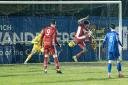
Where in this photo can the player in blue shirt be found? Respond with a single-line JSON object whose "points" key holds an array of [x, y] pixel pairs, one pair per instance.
{"points": [[112, 40]]}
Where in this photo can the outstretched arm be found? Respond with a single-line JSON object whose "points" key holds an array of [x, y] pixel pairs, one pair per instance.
{"points": [[83, 19], [41, 38], [119, 41]]}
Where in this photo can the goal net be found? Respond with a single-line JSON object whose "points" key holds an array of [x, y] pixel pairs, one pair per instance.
{"points": [[21, 21]]}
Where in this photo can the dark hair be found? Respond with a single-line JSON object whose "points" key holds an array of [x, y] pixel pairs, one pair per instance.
{"points": [[86, 22], [53, 22], [112, 26]]}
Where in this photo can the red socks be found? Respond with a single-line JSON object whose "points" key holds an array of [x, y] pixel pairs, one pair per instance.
{"points": [[45, 62], [56, 62]]}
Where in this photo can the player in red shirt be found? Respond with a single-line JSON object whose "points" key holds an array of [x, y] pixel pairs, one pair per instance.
{"points": [[49, 38], [82, 38]]}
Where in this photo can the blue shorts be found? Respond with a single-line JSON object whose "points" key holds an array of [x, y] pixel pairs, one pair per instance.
{"points": [[113, 55]]}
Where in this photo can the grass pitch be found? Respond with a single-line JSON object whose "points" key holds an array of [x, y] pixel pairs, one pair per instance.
{"points": [[90, 73]]}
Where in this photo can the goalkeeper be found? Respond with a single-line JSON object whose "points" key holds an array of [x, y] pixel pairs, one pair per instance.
{"points": [[36, 48]]}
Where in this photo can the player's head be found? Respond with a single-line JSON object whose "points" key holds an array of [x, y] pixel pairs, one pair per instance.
{"points": [[112, 26], [53, 23], [86, 23]]}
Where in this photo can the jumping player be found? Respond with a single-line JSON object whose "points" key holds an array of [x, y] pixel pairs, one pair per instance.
{"points": [[112, 39], [82, 38], [49, 37]]}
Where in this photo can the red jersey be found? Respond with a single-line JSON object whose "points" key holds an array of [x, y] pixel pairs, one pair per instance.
{"points": [[49, 36], [82, 34]]}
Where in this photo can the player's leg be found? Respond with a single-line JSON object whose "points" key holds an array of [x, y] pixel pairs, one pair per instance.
{"points": [[56, 61], [30, 55], [42, 50], [83, 51], [46, 56], [28, 58], [119, 68], [36, 48], [75, 57], [109, 68], [72, 44], [57, 64], [110, 58]]}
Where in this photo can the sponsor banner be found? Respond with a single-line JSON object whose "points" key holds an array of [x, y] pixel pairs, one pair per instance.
{"points": [[16, 33]]}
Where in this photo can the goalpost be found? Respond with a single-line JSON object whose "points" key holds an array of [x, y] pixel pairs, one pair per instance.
{"points": [[119, 3]]}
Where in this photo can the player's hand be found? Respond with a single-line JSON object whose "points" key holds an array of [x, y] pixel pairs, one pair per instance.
{"points": [[90, 33], [60, 45], [87, 35]]}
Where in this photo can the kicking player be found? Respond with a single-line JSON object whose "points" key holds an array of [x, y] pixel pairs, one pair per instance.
{"points": [[112, 39], [49, 38], [36, 48], [82, 38]]}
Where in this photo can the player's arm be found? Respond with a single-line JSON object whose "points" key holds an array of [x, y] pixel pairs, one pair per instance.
{"points": [[83, 19], [104, 41], [55, 39], [41, 37], [78, 34], [119, 41]]}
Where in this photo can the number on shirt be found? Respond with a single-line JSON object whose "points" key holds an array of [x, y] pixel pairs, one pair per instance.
{"points": [[48, 32], [111, 39]]}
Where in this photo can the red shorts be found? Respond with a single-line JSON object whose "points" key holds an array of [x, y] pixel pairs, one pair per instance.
{"points": [[80, 42], [82, 45], [49, 50]]}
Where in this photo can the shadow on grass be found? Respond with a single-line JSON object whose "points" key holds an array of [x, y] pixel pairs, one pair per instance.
{"points": [[94, 72], [26, 73], [10, 75], [91, 79], [77, 80], [74, 80], [34, 71]]}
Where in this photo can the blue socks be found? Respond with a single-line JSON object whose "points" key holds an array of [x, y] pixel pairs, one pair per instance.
{"points": [[119, 67], [109, 67]]}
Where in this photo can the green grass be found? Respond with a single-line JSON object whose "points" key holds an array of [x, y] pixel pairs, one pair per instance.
{"points": [[93, 73]]}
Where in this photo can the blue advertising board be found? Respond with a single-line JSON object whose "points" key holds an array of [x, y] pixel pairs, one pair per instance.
{"points": [[17, 30]]}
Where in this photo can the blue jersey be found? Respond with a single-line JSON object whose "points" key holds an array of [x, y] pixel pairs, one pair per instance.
{"points": [[112, 39]]}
